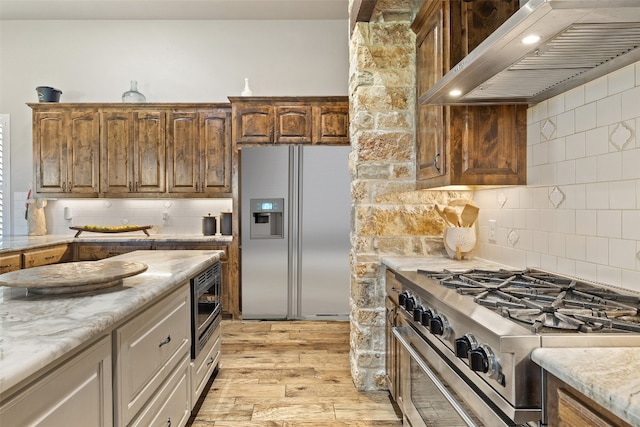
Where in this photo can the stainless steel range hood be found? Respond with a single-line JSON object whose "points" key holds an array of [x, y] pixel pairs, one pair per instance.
{"points": [[580, 40]]}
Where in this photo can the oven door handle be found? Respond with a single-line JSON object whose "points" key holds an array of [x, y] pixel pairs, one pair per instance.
{"points": [[400, 333]]}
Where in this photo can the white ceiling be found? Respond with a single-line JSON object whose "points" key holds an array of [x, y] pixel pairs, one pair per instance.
{"points": [[173, 9]]}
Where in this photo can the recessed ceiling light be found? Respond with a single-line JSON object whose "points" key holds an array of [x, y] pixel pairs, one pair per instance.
{"points": [[531, 39], [455, 93]]}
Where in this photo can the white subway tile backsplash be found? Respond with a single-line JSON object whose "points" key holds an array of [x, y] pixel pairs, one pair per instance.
{"points": [[631, 224], [586, 170], [576, 247], [609, 223], [610, 275], [596, 90], [619, 192], [575, 146], [557, 244], [585, 117], [597, 195], [566, 172], [574, 98], [631, 280], [622, 253], [630, 107], [540, 154], [621, 80], [610, 167], [565, 124], [597, 141], [586, 222], [597, 250], [631, 164], [609, 110]]}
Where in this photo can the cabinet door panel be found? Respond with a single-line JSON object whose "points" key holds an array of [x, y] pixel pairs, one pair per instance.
{"points": [[293, 124], [254, 124], [500, 159], [331, 124], [76, 394], [216, 152], [184, 173], [149, 130], [117, 153], [50, 152], [83, 152]]}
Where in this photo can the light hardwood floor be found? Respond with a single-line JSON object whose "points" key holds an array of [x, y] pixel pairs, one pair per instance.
{"points": [[289, 374]]}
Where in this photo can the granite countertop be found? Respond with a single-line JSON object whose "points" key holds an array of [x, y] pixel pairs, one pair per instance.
{"points": [[36, 330], [16, 243], [608, 376], [439, 263]]}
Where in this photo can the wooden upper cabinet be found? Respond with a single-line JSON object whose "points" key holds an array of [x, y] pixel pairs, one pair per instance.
{"points": [[199, 152], [463, 145], [133, 152], [290, 120], [331, 124], [66, 151], [120, 150]]}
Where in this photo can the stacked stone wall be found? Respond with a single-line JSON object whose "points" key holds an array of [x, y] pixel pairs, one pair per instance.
{"points": [[389, 218]]}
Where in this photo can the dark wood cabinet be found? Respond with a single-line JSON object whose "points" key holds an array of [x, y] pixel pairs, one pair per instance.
{"points": [[290, 120], [199, 152], [66, 151], [567, 407], [463, 145], [132, 150]]}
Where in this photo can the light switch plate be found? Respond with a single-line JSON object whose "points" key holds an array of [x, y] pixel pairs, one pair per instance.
{"points": [[493, 230]]}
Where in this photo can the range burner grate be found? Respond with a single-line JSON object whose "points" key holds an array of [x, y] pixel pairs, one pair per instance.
{"points": [[545, 301]]}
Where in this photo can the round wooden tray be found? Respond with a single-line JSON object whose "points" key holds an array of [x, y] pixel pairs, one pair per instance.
{"points": [[72, 277], [108, 229]]}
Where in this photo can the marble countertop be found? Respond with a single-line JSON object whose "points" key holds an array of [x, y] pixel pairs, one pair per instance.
{"points": [[36, 330], [608, 376], [16, 243], [439, 263]]}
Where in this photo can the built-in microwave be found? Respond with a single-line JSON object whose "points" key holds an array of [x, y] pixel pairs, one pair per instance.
{"points": [[206, 292]]}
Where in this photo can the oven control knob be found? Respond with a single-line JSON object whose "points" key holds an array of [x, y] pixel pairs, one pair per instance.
{"points": [[409, 303], [465, 344], [478, 360], [482, 359], [417, 313], [440, 326], [402, 297], [427, 315]]}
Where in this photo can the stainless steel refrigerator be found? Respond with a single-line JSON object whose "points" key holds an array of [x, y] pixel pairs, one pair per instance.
{"points": [[295, 204]]}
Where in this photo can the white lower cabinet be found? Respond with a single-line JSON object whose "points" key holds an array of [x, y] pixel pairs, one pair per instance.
{"points": [[170, 407], [77, 393], [149, 348], [202, 367]]}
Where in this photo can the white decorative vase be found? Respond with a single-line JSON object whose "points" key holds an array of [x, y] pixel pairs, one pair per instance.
{"points": [[459, 242], [35, 217], [247, 90]]}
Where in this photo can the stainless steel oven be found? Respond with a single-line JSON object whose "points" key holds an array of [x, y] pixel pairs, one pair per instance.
{"points": [[466, 339], [206, 307], [434, 394]]}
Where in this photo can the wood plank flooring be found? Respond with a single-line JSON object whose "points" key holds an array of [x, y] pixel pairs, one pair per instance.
{"points": [[289, 374]]}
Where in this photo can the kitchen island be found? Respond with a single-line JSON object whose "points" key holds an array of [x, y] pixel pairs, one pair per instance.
{"points": [[39, 333]]}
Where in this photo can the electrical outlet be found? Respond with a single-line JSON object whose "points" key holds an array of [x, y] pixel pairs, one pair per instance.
{"points": [[493, 230]]}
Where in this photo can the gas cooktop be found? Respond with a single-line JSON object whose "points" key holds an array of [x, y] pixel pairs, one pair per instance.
{"points": [[545, 302]]}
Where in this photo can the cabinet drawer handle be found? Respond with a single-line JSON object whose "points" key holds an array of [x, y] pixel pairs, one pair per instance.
{"points": [[129, 185], [210, 361], [64, 187], [6, 265], [136, 187], [167, 341], [197, 186], [435, 162], [49, 257], [168, 422]]}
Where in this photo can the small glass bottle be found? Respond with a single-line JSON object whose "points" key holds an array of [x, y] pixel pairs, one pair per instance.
{"points": [[132, 95]]}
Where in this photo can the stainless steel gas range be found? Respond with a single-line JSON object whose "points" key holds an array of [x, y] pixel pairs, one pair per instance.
{"points": [[466, 337]]}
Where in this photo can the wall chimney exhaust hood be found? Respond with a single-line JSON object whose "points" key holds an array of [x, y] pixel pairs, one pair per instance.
{"points": [[571, 42]]}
